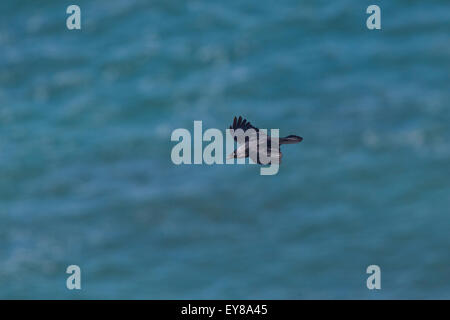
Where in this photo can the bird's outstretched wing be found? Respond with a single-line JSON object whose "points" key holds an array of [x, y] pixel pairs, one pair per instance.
{"points": [[241, 124]]}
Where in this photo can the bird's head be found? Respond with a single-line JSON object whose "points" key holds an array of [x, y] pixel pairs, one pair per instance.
{"points": [[232, 155]]}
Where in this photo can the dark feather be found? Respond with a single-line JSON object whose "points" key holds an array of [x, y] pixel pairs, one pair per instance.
{"points": [[242, 124]]}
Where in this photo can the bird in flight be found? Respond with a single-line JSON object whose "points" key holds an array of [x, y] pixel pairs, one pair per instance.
{"points": [[261, 148]]}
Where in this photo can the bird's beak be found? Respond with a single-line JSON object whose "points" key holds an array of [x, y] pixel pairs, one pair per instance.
{"points": [[230, 156]]}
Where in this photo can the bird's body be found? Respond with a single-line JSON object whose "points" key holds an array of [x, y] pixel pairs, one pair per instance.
{"points": [[261, 148]]}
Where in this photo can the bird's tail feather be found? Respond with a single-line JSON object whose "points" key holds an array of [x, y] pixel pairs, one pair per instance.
{"points": [[290, 139]]}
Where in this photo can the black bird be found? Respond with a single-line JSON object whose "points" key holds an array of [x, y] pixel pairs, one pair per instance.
{"points": [[257, 142]]}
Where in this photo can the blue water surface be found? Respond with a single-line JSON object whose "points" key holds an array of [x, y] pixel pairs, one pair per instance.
{"points": [[86, 176]]}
